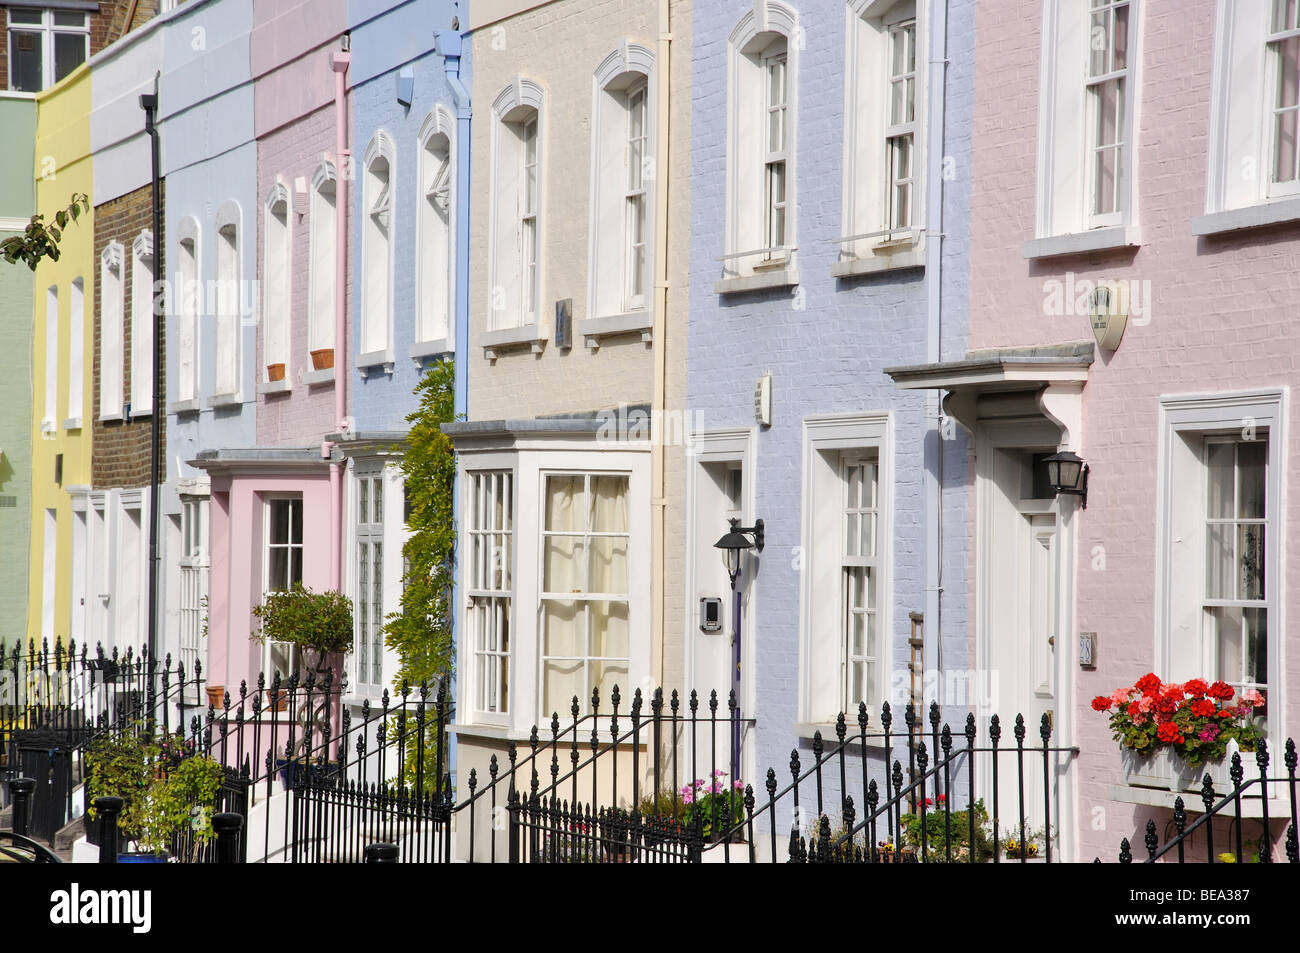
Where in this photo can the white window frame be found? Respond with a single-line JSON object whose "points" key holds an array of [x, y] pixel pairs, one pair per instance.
{"points": [[188, 305], [76, 353], [269, 501], [366, 534], [488, 542], [510, 286], [277, 281], [822, 662], [227, 305], [193, 564], [1064, 177], [868, 232], [435, 235], [50, 417], [322, 264], [142, 286], [47, 30], [762, 32], [1278, 33], [625, 72], [1184, 423], [580, 597], [379, 233], [112, 331], [1107, 73]]}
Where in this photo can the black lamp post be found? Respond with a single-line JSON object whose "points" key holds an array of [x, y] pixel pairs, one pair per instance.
{"points": [[1068, 474], [733, 544]]}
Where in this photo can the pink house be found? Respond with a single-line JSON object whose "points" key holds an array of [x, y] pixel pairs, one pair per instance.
{"points": [[1146, 148], [277, 507]]}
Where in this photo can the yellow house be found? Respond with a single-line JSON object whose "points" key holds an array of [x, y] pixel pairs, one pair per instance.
{"points": [[63, 323]]}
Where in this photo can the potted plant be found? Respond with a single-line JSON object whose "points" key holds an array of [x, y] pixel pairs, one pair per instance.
{"points": [[705, 800], [166, 788], [322, 359], [947, 833], [319, 624], [1172, 734], [275, 372]]}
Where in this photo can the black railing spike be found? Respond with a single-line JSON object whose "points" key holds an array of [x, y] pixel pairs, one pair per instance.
{"points": [[1019, 730], [1292, 845], [1152, 841], [862, 716], [595, 700], [1236, 772], [995, 729], [970, 728], [934, 715], [493, 768], [555, 725], [945, 740], [909, 716], [1180, 815], [731, 702], [897, 777], [771, 783], [533, 739], [1125, 853], [574, 708], [1289, 757], [817, 747], [674, 703], [713, 701], [694, 704], [636, 702], [614, 699], [841, 729], [1261, 757], [657, 702], [1207, 793], [1045, 729], [794, 763]]}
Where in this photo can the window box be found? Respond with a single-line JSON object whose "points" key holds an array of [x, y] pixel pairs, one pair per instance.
{"points": [[1165, 771]]}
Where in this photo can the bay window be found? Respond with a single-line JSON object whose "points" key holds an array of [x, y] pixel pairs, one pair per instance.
{"points": [[489, 541]]}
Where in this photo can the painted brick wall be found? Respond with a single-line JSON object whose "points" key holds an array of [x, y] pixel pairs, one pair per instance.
{"points": [[122, 447], [304, 414], [522, 384], [826, 346], [1221, 318]]}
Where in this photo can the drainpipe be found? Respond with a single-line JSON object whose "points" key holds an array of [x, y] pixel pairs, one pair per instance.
{"points": [[658, 502], [933, 475], [448, 43], [339, 62], [149, 103]]}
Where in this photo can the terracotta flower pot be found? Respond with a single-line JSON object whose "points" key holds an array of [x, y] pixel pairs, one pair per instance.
{"points": [[275, 372], [216, 696], [323, 359]]}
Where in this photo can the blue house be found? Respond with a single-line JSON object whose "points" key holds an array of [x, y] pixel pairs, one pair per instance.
{"points": [[829, 149]]}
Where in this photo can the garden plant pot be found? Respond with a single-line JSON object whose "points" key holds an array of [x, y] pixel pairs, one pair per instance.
{"points": [[1185, 778], [216, 696], [323, 359], [1151, 770], [275, 372]]}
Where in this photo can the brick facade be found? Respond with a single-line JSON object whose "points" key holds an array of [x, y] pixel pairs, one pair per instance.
{"points": [[122, 447]]}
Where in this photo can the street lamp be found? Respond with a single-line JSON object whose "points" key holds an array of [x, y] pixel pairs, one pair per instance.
{"points": [[733, 544], [1068, 474]]}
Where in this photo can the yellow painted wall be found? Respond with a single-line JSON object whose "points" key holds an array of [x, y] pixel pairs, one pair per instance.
{"points": [[63, 167]]}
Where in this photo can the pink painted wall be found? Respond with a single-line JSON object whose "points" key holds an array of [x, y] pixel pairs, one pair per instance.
{"points": [[295, 123], [1222, 318], [238, 518]]}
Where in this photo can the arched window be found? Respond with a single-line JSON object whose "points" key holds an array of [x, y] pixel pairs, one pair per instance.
{"points": [[227, 303], [142, 272], [276, 282], [377, 251], [323, 265], [622, 154], [111, 331], [762, 58], [516, 217], [435, 231], [188, 306]]}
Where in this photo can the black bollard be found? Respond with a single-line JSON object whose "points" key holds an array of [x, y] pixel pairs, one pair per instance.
{"points": [[381, 854], [22, 790], [108, 809], [227, 827]]}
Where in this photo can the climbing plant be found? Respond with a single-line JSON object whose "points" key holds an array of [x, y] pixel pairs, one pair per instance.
{"points": [[40, 240]]}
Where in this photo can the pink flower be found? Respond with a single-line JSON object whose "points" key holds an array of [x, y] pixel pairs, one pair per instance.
{"points": [[718, 772], [738, 784], [717, 787], [1252, 698], [1209, 733], [1120, 696], [688, 798], [1140, 719], [1145, 704]]}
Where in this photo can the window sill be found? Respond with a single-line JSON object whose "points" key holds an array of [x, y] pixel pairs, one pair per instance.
{"points": [[593, 329], [281, 386], [899, 259], [1080, 243], [72, 423], [110, 418], [137, 414], [786, 277], [224, 400], [505, 338], [370, 362], [190, 406], [1192, 803], [1252, 216], [313, 378], [421, 351]]}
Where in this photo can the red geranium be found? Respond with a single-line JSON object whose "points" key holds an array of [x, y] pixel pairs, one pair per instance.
{"points": [[1166, 704], [1134, 709], [1203, 708], [1196, 687], [1168, 733], [1101, 703], [1221, 690], [1148, 684]]}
